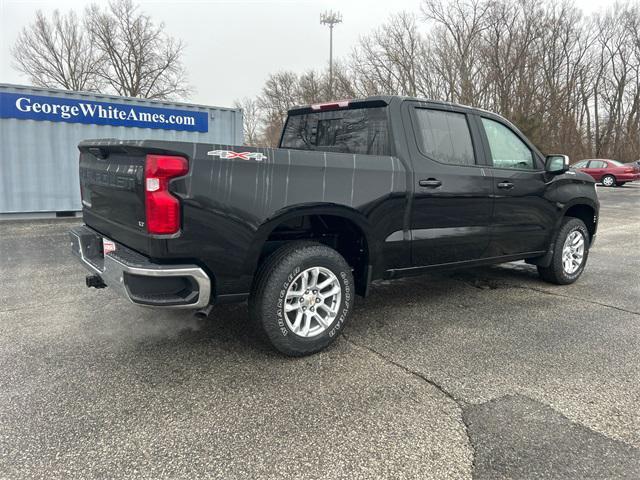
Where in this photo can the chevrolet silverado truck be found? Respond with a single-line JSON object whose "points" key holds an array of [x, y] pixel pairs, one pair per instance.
{"points": [[359, 190]]}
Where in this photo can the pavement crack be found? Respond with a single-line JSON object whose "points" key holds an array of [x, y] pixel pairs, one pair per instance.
{"points": [[593, 302], [492, 286], [461, 404]]}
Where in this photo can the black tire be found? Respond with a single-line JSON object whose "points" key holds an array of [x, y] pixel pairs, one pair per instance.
{"points": [[609, 181], [555, 272], [268, 296]]}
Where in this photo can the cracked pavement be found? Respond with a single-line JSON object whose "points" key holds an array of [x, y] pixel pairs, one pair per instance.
{"points": [[483, 373]]}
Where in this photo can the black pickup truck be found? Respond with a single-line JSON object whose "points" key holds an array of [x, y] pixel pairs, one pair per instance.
{"points": [[378, 188]]}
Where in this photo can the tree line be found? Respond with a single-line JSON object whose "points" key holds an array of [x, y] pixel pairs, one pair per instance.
{"points": [[112, 48], [570, 82]]}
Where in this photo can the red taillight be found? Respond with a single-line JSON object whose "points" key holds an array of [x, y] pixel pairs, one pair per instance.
{"points": [[628, 170], [163, 209]]}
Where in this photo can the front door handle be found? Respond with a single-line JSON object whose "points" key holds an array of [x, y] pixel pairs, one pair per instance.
{"points": [[430, 182], [506, 185]]}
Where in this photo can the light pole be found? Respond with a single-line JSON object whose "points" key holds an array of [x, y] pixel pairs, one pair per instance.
{"points": [[331, 19]]}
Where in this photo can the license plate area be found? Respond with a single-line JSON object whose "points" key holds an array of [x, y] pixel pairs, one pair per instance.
{"points": [[108, 246]]}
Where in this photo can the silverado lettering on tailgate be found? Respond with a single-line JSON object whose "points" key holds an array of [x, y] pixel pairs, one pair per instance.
{"points": [[108, 179]]}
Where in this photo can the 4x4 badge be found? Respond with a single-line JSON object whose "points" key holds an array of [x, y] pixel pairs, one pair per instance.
{"points": [[257, 156]]}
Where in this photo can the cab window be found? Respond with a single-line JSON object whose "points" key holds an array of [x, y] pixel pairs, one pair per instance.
{"points": [[507, 150], [444, 136]]}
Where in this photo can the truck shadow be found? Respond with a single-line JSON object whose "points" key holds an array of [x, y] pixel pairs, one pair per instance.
{"points": [[228, 337], [230, 325]]}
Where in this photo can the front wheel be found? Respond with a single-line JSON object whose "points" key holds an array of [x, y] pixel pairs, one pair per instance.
{"points": [[608, 180], [302, 297], [570, 253]]}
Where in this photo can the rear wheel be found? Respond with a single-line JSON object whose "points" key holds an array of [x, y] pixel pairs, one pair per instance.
{"points": [[608, 180], [570, 253], [302, 297]]}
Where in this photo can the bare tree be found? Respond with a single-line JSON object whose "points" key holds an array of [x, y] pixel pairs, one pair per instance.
{"points": [[617, 85], [252, 120], [391, 59], [459, 28], [343, 82], [57, 53], [116, 49], [279, 94], [139, 58], [313, 87]]}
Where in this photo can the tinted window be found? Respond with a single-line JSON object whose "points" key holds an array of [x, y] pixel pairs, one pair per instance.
{"points": [[582, 164], [597, 164], [445, 137], [362, 130], [507, 150]]}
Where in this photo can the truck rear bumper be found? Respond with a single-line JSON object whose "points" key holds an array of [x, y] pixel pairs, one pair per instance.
{"points": [[137, 278]]}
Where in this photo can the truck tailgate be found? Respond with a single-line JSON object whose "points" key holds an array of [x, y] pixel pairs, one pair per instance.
{"points": [[112, 184]]}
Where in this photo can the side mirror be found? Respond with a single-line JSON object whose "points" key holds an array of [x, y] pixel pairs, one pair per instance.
{"points": [[556, 164]]}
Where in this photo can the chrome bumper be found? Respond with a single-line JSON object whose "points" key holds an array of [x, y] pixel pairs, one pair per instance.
{"points": [[86, 245]]}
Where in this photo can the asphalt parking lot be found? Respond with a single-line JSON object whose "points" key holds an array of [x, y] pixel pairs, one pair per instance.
{"points": [[484, 373]]}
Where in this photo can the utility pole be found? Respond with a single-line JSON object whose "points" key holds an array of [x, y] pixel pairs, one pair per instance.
{"points": [[331, 19]]}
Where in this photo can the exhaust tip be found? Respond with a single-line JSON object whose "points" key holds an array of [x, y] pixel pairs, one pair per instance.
{"points": [[204, 312], [95, 281]]}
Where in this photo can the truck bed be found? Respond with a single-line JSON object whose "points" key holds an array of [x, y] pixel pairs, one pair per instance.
{"points": [[229, 198]]}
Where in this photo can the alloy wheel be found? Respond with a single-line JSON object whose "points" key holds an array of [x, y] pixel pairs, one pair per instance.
{"points": [[312, 301], [573, 252]]}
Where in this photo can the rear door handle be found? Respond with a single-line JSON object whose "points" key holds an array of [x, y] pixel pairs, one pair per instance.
{"points": [[430, 182], [506, 185]]}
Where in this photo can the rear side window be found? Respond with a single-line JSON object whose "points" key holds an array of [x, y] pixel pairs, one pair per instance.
{"points": [[597, 164], [445, 136], [361, 130], [507, 150]]}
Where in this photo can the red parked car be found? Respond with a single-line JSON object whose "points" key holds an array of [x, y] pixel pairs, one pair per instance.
{"points": [[609, 172]]}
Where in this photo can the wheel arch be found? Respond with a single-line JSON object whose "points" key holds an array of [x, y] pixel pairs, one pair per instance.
{"points": [[342, 216], [584, 209]]}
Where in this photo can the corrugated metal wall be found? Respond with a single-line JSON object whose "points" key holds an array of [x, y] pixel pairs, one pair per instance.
{"points": [[39, 159]]}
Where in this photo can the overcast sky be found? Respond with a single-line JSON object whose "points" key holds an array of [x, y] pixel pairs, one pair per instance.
{"points": [[233, 45]]}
